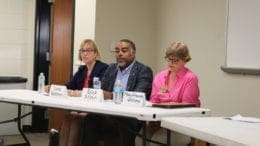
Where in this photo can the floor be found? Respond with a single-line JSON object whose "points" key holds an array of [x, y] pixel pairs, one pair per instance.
{"points": [[36, 139]]}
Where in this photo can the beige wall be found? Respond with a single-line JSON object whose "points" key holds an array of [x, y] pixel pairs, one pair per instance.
{"points": [[154, 24], [84, 26], [131, 19], [17, 38], [17, 48], [202, 25]]}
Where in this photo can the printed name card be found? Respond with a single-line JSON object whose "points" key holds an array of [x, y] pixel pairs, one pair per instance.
{"points": [[134, 98], [58, 90], [92, 95]]}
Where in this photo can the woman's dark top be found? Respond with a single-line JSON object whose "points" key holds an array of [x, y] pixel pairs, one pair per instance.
{"points": [[77, 81]]}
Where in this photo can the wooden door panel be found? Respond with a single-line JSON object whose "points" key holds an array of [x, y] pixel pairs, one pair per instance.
{"points": [[61, 62]]}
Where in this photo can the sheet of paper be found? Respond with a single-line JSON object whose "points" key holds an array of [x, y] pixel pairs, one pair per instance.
{"points": [[244, 119]]}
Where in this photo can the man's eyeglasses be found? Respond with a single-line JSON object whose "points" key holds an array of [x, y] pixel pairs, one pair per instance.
{"points": [[86, 50], [172, 60]]}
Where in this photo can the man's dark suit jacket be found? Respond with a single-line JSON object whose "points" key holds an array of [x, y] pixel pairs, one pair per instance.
{"points": [[140, 79]]}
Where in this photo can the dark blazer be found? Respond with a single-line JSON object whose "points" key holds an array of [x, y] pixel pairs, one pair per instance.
{"points": [[140, 79], [77, 81]]}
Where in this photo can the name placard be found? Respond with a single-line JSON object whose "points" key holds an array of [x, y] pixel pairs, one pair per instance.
{"points": [[58, 90], [134, 98], [92, 95]]}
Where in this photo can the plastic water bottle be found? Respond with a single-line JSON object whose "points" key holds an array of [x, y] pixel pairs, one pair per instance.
{"points": [[118, 92], [96, 83], [41, 83]]}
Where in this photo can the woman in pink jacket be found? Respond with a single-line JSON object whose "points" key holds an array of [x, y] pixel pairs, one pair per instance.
{"points": [[176, 83]]}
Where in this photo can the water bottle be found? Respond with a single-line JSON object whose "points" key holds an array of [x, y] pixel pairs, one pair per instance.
{"points": [[41, 83], [118, 92], [96, 83]]}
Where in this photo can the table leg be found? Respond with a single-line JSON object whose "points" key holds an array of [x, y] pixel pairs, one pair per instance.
{"points": [[18, 120], [27, 143], [19, 126], [168, 137], [144, 133]]}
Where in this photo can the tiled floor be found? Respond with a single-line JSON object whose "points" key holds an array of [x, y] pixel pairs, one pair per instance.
{"points": [[36, 139]]}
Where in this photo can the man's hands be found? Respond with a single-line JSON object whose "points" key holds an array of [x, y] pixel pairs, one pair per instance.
{"points": [[107, 94]]}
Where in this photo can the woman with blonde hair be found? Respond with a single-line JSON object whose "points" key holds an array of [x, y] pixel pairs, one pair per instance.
{"points": [[89, 54], [83, 78]]}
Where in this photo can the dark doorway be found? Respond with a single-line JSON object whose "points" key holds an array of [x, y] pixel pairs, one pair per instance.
{"points": [[41, 59]]}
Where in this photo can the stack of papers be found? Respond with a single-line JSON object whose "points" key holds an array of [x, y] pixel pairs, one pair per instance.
{"points": [[244, 119]]}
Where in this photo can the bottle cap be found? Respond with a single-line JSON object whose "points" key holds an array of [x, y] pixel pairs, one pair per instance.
{"points": [[118, 81], [95, 78]]}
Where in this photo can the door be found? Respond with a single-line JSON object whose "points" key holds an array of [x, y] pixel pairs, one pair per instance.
{"points": [[61, 50], [41, 59], [54, 34]]}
